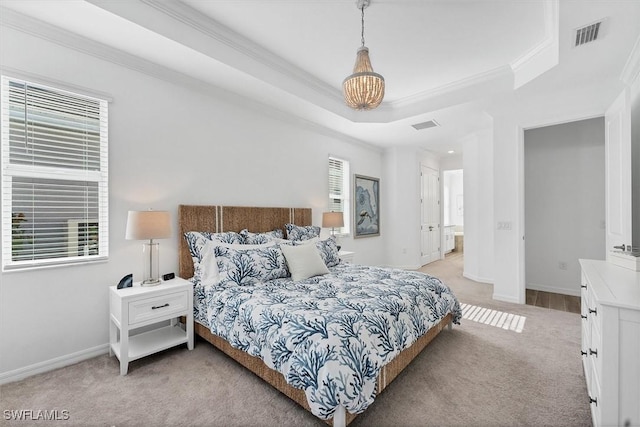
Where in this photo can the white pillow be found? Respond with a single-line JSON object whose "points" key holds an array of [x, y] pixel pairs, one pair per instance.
{"points": [[209, 273], [304, 261], [208, 266]]}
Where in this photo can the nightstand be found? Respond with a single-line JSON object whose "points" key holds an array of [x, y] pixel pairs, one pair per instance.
{"points": [[140, 306], [346, 256]]}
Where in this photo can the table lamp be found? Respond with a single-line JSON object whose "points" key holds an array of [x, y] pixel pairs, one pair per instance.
{"points": [[332, 220], [143, 225]]}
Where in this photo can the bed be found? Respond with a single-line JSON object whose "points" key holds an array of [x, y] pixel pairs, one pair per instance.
{"points": [[321, 307]]}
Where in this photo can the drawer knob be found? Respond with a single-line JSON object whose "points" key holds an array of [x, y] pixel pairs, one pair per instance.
{"points": [[592, 400], [583, 353], [584, 316], [593, 310], [593, 352], [155, 307], [583, 286]]}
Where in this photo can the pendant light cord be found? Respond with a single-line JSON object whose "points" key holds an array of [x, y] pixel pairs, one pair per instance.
{"points": [[362, 34]]}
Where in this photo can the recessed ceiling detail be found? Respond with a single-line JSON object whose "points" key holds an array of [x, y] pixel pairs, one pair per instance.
{"points": [[426, 125]]}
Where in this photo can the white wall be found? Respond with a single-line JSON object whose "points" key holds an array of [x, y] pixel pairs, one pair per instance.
{"points": [[401, 221], [478, 207], [564, 203], [453, 197], [451, 162], [169, 145], [401, 188]]}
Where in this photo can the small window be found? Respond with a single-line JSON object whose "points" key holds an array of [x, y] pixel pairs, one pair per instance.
{"points": [[339, 190], [54, 176]]}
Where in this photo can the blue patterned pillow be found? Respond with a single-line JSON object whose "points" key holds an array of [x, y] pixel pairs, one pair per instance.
{"points": [[302, 232], [261, 238], [250, 266], [196, 240], [329, 251]]}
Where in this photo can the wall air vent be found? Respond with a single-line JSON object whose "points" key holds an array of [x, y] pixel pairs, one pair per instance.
{"points": [[425, 125], [587, 34]]}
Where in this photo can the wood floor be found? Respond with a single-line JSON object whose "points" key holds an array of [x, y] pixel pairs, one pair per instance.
{"points": [[553, 301], [549, 300]]}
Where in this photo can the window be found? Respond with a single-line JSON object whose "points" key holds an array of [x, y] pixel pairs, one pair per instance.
{"points": [[54, 176], [339, 190]]}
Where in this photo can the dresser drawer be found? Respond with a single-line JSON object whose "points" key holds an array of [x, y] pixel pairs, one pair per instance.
{"points": [[595, 395], [157, 307], [595, 351]]}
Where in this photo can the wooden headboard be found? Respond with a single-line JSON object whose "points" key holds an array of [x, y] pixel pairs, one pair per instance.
{"points": [[217, 219]]}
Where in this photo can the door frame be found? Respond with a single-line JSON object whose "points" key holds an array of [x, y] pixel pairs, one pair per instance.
{"points": [[438, 174]]}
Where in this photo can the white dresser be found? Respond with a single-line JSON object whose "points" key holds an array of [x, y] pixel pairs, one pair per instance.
{"points": [[611, 342]]}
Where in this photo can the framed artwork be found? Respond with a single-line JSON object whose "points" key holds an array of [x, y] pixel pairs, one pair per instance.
{"points": [[366, 212]]}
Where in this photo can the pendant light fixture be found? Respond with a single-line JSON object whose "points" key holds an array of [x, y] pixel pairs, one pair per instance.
{"points": [[364, 89]]}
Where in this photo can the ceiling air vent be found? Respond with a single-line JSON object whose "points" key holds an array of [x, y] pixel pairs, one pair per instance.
{"points": [[587, 34], [425, 125]]}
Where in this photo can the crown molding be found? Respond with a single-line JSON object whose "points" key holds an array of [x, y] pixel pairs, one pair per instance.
{"points": [[67, 39], [463, 84], [183, 14], [544, 55], [631, 69]]}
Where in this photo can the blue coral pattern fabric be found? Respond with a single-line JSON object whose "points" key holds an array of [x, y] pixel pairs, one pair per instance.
{"points": [[328, 249], [329, 335], [261, 238], [301, 232], [248, 266]]}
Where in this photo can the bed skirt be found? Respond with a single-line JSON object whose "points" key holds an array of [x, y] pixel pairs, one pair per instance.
{"points": [[387, 374]]}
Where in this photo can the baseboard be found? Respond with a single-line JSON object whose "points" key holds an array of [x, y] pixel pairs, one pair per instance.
{"points": [[554, 290], [49, 365], [478, 279]]}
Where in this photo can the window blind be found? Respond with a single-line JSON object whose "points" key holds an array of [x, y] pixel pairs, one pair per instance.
{"points": [[339, 189], [54, 176]]}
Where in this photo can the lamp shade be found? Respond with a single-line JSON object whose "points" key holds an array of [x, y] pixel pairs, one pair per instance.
{"points": [[143, 225], [332, 220]]}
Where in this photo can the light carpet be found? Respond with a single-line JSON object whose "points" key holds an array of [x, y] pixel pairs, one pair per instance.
{"points": [[474, 375]]}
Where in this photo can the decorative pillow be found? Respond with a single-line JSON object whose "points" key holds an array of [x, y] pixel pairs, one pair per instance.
{"points": [[248, 266], [328, 249], [260, 238], [304, 261], [208, 273], [298, 232], [196, 240]]}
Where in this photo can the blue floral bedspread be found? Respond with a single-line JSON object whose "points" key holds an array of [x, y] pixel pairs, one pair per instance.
{"points": [[329, 335]]}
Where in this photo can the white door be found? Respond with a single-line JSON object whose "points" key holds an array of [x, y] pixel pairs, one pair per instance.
{"points": [[430, 218], [618, 173]]}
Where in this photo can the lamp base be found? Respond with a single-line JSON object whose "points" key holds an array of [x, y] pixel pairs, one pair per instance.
{"points": [[150, 282], [151, 257]]}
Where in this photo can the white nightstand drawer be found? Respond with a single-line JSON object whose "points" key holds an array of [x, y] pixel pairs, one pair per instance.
{"points": [[153, 308]]}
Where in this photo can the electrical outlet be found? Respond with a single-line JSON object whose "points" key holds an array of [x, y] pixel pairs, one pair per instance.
{"points": [[504, 225], [562, 265]]}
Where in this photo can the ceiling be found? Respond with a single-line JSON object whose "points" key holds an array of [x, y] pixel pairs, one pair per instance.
{"points": [[443, 60]]}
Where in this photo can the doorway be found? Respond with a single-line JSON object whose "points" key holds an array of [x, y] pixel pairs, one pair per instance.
{"points": [[430, 215], [564, 203], [453, 210]]}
